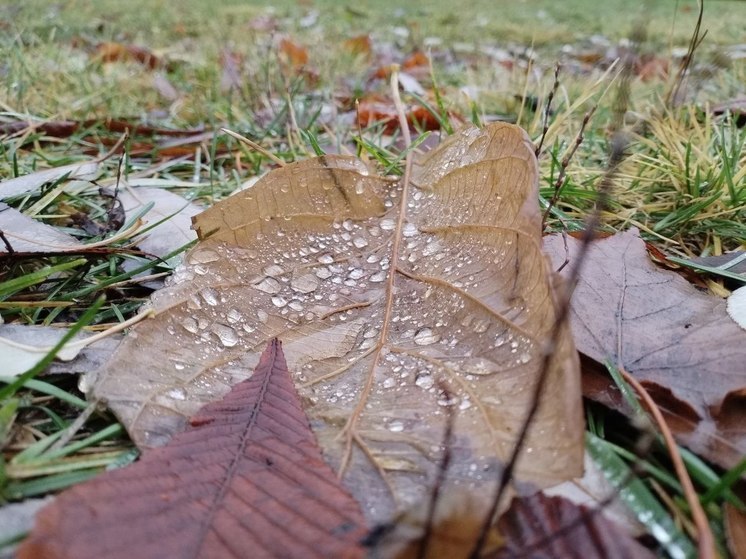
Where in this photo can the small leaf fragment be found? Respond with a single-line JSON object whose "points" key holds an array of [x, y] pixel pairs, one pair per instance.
{"points": [[547, 527], [245, 478]]}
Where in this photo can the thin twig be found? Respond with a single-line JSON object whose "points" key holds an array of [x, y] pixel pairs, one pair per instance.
{"points": [[705, 540], [694, 42], [7, 244], [564, 164], [548, 109]]}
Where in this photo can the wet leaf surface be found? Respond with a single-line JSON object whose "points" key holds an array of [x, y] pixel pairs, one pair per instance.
{"points": [[246, 475], [678, 341], [379, 292]]}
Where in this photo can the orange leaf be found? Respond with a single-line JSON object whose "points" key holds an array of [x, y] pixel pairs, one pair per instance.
{"points": [[296, 55], [370, 112], [415, 60], [360, 45], [119, 52], [246, 479]]}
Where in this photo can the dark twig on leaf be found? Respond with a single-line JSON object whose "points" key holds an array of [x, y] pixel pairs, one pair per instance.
{"points": [[441, 476], [7, 244]]}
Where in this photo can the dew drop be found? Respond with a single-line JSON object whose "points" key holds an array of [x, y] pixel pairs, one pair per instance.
{"points": [[268, 285], [388, 224], [390, 382], [279, 301], [273, 270], [177, 394], [356, 273], [323, 273], [326, 259], [210, 296], [203, 256], [262, 316], [306, 283], [378, 277], [190, 325], [409, 230], [426, 336], [234, 315], [424, 380], [225, 334], [396, 426], [359, 242]]}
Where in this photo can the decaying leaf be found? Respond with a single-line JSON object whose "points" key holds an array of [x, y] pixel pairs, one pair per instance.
{"points": [[25, 234], [679, 342], [541, 527], [245, 480], [378, 290]]}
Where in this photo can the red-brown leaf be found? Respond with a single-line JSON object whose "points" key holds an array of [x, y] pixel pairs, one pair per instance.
{"points": [[245, 480], [541, 527]]}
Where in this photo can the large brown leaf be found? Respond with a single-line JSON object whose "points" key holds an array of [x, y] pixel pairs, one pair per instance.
{"points": [[373, 311], [677, 340], [245, 480]]}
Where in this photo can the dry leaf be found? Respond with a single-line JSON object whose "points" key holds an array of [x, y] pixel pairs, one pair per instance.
{"points": [[371, 111], [677, 340], [245, 480], [120, 52], [85, 170], [374, 311], [295, 55], [25, 234], [31, 343], [536, 527], [360, 45]]}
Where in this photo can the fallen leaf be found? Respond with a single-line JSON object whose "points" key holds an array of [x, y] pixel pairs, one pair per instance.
{"points": [[373, 111], [85, 170], [360, 45], [25, 234], [120, 52], [42, 338], [536, 527], [169, 219], [16, 519], [294, 54], [246, 479], [374, 311], [679, 341]]}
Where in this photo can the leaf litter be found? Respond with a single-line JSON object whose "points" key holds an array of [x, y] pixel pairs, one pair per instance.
{"points": [[246, 471], [379, 291], [678, 342]]}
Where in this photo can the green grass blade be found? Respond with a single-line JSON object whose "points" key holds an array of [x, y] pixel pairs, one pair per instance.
{"points": [[640, 500]]}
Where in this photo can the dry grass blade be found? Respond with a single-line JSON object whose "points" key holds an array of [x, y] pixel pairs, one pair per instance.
{"points": [[704, 533]]}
